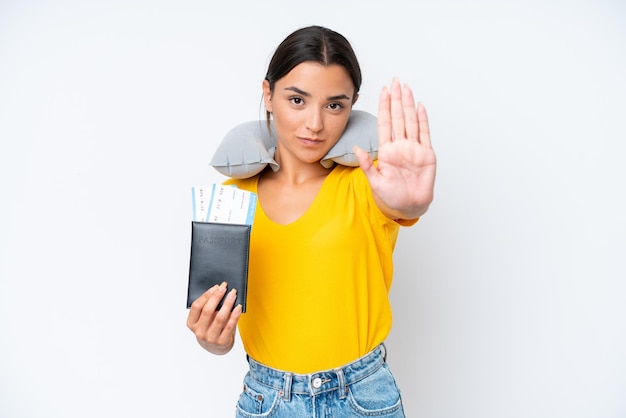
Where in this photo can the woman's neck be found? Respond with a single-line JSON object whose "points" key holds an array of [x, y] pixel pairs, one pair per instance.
{"points": [[295, 172]]}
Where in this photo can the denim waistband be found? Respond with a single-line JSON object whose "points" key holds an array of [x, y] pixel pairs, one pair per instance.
{"points": [[340, 378]]}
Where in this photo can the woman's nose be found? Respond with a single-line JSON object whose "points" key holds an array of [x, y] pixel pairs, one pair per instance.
{"points": [[315, 122]]}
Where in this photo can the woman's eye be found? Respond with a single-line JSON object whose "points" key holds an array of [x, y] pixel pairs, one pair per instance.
{"points": [[335, 106], [297, 100]]}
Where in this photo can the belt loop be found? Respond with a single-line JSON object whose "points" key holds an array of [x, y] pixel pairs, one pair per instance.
{"points": [[287, 387], [383, 350], [343, 388]]}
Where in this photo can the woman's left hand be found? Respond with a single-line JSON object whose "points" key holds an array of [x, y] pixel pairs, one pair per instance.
{"points": [[404, 178]]}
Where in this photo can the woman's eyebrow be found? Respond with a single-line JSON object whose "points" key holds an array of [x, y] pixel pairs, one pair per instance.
{"points": [[338, 97], [306, 94]]}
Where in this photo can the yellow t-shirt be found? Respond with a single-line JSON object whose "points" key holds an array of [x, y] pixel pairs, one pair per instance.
{"points": [[318, 287]]}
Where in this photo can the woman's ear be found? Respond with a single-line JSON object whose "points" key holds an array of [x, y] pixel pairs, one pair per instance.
{"points": [[356, 97], [267, 95]]}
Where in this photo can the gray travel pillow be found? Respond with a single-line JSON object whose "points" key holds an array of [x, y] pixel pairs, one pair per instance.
{"points": [[248, 148]]}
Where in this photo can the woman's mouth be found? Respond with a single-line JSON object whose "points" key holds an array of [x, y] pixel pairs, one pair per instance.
{"points": [[310, 141]]}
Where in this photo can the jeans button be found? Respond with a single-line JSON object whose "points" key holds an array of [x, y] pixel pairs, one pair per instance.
{"points": [[317, 383]]}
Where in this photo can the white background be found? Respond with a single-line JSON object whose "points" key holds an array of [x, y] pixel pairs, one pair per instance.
{"points": [[508, 296]]}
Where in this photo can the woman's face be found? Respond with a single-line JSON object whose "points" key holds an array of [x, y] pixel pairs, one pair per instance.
{"points": [[310, 107]]}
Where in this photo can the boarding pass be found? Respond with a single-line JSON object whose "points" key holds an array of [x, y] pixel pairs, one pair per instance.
{"points": [[223, 204]]}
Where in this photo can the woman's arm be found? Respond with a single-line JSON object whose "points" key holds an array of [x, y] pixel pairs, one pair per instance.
{"points": [[403, 180]]}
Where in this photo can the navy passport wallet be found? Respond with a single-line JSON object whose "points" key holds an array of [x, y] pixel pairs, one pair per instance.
{"points": [[219, 253]]}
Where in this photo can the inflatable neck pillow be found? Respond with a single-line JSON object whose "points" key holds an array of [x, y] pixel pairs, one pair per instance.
{"points": [[248, 148]]}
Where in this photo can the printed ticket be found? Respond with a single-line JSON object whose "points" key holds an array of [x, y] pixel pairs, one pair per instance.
{"points": [[223, 204]]}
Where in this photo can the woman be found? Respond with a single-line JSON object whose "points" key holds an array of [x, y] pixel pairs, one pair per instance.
{"points": [[320, 269]]}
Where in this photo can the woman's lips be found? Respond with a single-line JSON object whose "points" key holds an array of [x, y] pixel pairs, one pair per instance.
{"points": [[311, 141]]}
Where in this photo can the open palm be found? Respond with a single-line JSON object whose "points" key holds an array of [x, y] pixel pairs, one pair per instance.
{"points": [[403, 180]]}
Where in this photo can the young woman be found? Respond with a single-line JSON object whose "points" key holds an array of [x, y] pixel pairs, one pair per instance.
{"points": [[321, 248]]}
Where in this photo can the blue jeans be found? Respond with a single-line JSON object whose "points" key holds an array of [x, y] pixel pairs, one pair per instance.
{"points": [[363, 388]]}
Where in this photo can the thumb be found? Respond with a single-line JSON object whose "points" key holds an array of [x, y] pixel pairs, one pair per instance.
{"points": [[365, 161]]}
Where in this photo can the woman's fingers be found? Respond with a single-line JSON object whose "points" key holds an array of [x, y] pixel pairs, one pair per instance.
{"points": [[231, 324], [204, 317], [424, 127], [197, 307], [221, 317], [215, 329], [410, 114], [397, 115], [397, 111], [384, 117]]}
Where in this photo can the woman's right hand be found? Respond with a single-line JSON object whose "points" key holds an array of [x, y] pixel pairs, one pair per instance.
{"points": [[215, 329]]}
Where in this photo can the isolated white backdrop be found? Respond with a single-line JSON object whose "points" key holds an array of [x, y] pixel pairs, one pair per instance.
{"points": [[508, 295]]}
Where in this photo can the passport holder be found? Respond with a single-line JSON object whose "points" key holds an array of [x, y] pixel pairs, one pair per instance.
{"points": [[219, 253]]}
